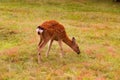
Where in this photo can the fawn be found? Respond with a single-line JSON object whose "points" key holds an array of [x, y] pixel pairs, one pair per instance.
{"points": [[50, 31]]}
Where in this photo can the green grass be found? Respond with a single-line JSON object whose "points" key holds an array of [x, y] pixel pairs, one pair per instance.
{"points": [[95, 25]]}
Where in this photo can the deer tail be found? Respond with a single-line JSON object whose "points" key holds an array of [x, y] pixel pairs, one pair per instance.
{"points": [[39, 30]]}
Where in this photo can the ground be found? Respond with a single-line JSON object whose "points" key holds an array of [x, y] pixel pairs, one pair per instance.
{"points": [[94, 24]]}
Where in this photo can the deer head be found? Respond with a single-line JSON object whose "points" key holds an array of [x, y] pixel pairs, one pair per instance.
{"points": [[75, 46]]}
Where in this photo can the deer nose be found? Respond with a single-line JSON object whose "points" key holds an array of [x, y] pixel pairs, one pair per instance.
{"points": [[78, 52]]}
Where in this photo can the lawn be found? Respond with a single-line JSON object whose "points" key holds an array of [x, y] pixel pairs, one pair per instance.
{"points": [[95, 25]]}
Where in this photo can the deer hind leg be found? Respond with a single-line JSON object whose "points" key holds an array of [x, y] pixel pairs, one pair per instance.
{"points": [[40, 40], [49, 47], [61, 48], [40, 47]]}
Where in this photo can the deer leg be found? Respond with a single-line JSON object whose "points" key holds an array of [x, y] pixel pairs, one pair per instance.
{"points": [[49, 47], [40, 41], [41, 46], [60, 44]]}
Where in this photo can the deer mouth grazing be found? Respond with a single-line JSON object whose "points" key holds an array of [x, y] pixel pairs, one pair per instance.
{"points": [[78, 52]]}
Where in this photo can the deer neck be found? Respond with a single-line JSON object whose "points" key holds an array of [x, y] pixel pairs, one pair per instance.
{"points": [[67, 41]]}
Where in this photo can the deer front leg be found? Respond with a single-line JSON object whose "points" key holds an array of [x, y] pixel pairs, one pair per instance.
{"points": [[40, 47], [49, 47], [62, 52]]}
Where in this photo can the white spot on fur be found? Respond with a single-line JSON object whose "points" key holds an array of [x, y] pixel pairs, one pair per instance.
{"points": [[39, 30]]}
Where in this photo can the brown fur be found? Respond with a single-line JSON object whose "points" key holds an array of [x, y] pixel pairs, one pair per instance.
{"points": [[55, 31]]}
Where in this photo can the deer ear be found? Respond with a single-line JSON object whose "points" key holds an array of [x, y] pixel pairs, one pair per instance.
{"points": [[73, 40]]}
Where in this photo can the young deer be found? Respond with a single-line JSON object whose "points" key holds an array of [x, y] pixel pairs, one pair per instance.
{"points": [[50, 31]]}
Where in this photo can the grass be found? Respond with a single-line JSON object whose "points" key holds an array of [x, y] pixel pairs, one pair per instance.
{"points": [[94, 24]]}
